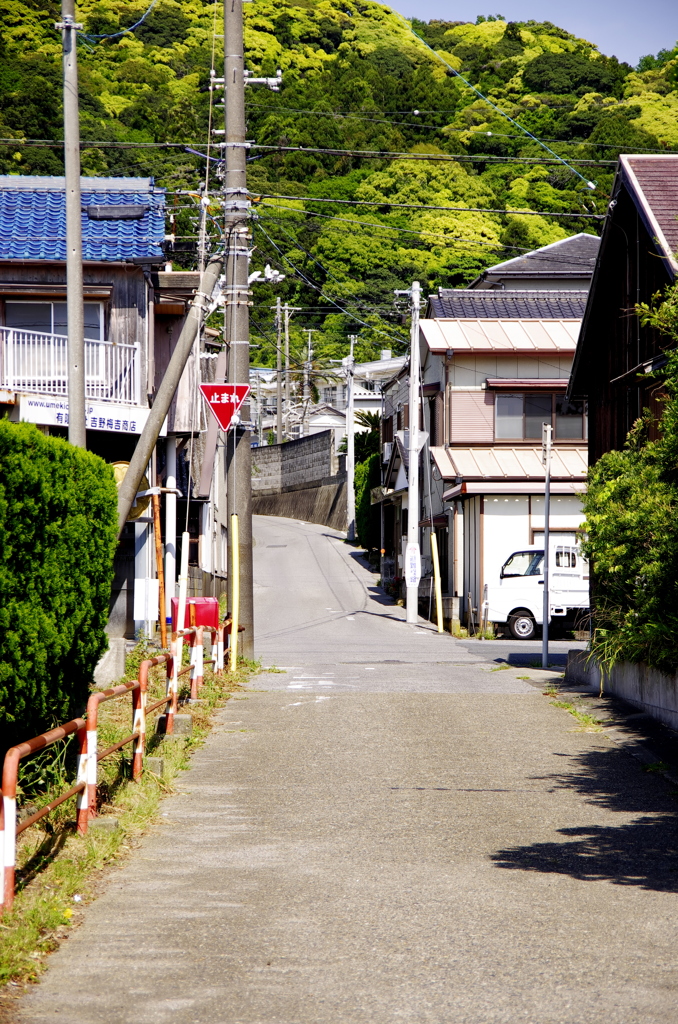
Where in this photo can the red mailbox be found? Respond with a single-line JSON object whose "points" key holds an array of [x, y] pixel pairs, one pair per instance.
{"points": [[206, 612]]}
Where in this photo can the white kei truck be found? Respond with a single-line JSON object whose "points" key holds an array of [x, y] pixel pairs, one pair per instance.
{"points": [[518, 600]]}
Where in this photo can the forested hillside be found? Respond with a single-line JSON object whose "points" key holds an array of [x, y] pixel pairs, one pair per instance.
{"points": [[355, 78]]}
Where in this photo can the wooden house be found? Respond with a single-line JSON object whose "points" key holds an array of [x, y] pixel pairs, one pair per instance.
{"points": [[637, 259], [134, 309]]}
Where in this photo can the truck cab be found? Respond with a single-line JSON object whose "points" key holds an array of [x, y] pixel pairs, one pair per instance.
{"points": [[518, 600]]}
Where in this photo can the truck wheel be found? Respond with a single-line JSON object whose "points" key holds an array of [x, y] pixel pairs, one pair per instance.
{"points": [[522, 626]]}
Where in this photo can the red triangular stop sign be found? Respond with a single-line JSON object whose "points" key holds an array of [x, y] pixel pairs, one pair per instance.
{"points": [[224, 400]]}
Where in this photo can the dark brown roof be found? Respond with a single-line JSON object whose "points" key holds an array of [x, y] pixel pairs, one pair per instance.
{"points": [[654, 179]]}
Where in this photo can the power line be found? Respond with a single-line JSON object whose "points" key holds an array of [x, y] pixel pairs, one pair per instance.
{"points": [[124, 31], [590, 184], [379, 154], [452, 241], [390, 227], [315, 287], [422, 206], [448, 128]]}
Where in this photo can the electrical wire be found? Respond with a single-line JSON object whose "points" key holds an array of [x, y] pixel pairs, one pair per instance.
{"points": [[422, 206], [123, 32], [451, 240], [327, 298], [390, 227], [589, 184], [378, 154], [445, 128]]}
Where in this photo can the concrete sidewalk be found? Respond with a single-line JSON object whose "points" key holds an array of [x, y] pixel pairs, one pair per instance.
{"points": [[389, 830]]}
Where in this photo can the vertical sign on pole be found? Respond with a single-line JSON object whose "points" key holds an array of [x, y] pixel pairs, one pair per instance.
{"points": [[546, 438]]}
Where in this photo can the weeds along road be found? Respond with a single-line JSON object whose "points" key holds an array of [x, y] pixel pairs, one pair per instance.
{"points": [[388, 830]]}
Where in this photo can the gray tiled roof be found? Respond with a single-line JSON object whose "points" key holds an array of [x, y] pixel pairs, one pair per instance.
{"points": [[518, 305], [574, 256]]}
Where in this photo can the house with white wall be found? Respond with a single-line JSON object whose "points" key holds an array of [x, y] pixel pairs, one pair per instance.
{"points": [[495, 366]]}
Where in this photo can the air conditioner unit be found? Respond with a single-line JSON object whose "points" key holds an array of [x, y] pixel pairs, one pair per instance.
{"points": [[386, 450]]}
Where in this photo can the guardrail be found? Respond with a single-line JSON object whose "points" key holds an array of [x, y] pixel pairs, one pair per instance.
{"points": [[89, 756]]}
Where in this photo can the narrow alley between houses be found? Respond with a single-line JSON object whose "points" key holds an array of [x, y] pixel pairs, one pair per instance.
{"points": [[391, 826]]}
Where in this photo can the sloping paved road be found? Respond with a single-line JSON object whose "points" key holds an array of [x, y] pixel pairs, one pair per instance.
{"points": [[387, 832]]}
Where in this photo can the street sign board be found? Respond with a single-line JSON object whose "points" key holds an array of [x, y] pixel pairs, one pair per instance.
{"points": [[412, 565], [224, 400]]}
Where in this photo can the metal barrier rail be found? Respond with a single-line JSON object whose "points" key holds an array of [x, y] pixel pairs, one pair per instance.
{"points": [[88, 754]]}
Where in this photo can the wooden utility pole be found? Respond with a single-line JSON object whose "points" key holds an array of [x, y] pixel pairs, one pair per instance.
{"points": [[236, 208], [74, 289]]}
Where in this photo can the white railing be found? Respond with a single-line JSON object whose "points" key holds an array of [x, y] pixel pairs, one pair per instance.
{"points": [[39, 363]]}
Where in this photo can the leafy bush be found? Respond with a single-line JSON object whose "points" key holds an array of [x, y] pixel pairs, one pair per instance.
{"points": [[367, 476], [632, 538], [57, 540]]}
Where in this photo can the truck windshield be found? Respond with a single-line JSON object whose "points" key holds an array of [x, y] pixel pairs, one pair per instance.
{"points": [[524, 563]]}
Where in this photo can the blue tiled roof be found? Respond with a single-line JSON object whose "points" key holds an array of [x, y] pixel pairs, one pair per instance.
{"points": [[33, 219]]}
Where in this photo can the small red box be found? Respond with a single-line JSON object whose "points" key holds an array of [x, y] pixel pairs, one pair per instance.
{"points": [[206, 612]]}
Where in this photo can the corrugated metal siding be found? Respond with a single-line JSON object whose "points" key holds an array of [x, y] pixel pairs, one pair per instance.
{"points": [[471, 417]]}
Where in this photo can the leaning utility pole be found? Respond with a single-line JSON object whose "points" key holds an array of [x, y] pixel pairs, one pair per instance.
{"points": [[74, 291], [349, 364], [236, 208]]}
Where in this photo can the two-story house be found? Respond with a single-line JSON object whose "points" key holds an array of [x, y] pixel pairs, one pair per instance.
{"points": [[495, 366], [134, 309]]}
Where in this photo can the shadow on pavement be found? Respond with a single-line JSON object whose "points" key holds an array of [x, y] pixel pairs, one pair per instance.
{"points": [[643, 852], [378, 595]]}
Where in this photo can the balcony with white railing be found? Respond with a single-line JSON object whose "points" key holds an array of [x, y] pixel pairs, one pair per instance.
{"points": [[38, 363]]}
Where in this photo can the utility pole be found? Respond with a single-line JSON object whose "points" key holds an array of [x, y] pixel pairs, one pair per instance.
{"points": [[287, 369], [260, 418], [349, 364], [236, 208], [279, 378], [74, 291], [306, 395], [413, 554], [546, 439], [288, 400]]}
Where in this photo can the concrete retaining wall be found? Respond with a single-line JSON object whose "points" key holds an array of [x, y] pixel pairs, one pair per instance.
{"points": [[646, 688], [303, 479]]}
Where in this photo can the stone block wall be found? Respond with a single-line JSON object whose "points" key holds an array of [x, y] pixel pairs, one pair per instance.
{"points": [[303, 479]]}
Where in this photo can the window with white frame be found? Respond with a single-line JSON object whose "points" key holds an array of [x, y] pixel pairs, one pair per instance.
{"points": [[52, 318], [520, 417]]}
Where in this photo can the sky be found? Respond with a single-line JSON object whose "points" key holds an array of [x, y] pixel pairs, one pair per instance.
{"points": [[627, 29]]}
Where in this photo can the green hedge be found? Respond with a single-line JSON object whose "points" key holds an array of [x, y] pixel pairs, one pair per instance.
{"points": [[368, 526], [58, 536]]}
